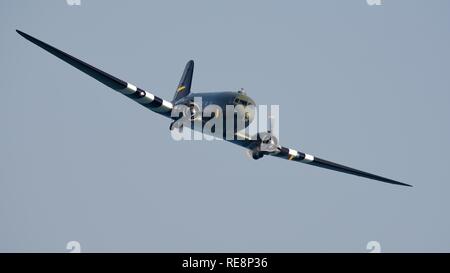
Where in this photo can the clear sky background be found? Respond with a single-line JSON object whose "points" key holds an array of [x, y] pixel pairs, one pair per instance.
{"points": [[366, 86]]}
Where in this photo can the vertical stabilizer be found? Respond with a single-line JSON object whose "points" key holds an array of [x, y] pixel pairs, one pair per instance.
{"points": [[184, 87]]}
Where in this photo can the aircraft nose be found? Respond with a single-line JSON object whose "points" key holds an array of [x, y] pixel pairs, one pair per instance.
{"points": [[249, 113], [250, 101], [248, 109]]}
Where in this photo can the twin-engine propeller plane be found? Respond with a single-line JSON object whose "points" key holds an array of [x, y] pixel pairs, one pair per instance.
{"points": [[257, 146]]}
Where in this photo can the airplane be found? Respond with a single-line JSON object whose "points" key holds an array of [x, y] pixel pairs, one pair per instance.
{"points": [[257, 147]]}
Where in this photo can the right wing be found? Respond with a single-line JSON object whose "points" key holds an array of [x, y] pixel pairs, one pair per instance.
{"points": [[145, 98], [294, 155]]}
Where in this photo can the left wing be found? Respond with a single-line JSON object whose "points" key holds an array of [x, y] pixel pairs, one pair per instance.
{"points": [[144, 98]]}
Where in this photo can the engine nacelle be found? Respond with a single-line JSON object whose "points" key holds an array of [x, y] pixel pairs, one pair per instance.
{"points": [[256, 154], [267, 144], [192, 111]]}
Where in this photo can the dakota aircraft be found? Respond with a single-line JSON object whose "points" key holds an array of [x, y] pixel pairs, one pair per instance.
{"points": [[259, 146]]}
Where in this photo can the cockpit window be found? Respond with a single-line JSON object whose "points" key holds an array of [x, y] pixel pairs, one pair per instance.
{"points": [[238, 101]]}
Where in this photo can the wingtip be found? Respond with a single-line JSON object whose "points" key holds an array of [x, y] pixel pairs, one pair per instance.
{"points": [[403, 184], [21, 33]]}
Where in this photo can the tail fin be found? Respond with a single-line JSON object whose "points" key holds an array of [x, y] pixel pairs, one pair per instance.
{"points": [[184, 87]]}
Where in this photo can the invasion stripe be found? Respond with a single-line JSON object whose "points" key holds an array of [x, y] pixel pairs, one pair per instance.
{"points": [[308, 158], [157, 102], [167, 104], [147, 99], [292, 154], [130, 89], [137, 95]]}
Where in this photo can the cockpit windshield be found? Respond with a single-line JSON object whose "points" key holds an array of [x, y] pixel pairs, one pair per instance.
{"points": [[243, 100]]}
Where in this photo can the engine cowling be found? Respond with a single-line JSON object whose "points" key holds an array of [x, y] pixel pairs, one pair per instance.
{"points": [[192, 111], [256, 154], [267, 144]]}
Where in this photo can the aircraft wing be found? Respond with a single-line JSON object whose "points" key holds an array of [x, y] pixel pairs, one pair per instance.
{"points": [[294, 155], [144, 98]]}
